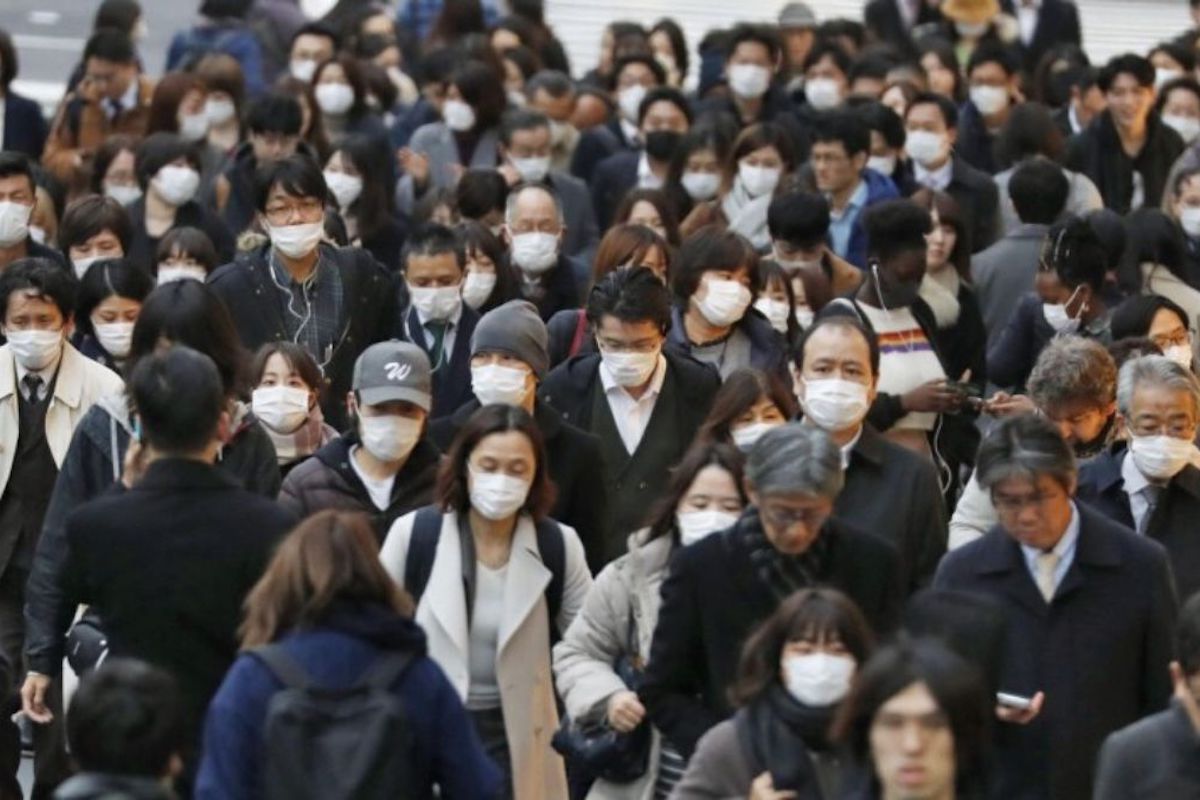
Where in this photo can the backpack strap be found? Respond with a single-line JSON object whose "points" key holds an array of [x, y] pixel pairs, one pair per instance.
{"points": [[282, 666], [386, 670], [577, 338], [422, 548], [554, 555]]}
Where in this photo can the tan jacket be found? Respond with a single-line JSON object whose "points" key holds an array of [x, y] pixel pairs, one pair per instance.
{"points": [[70, 149]]}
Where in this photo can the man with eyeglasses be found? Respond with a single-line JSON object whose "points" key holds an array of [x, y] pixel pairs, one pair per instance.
{"points": [[722, 587], [1090, 608], [643, 402]]}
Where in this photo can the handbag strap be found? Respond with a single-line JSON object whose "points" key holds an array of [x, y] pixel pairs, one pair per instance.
{"points": [[577, 338]]}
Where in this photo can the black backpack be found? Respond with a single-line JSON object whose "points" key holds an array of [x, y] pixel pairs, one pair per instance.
{"points": [[336, 744]]}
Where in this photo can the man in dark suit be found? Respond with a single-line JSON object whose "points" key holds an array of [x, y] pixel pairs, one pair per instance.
{"points": [[1090, 608], [633, 77], [18, 187], [1158, 758], [1153, 486], [169, 562], [643, 402], [1043, 24], [718, 589], [892, 21], [533, 230]]}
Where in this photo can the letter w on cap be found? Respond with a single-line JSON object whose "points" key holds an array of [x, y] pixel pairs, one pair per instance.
{"points": [[397, 371]]}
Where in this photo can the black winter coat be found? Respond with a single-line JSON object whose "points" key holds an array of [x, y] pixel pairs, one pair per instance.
{"points": [[1097, 153]]}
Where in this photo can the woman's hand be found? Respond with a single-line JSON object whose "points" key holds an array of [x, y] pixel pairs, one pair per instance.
{"points": [[763, 788], [625, 711], [415, 164], [1003, 404]]}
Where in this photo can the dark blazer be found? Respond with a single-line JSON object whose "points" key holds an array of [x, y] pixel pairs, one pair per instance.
{"points": [[562, 286], [1173, 523], [143, 247], [451, 381], [595, 145], [370, 312], [25, 128], [633, 481], [975, 144], [582, 235], [884, 23], [712, 598], [572, 458], [612, 179], [1157, 758], [976, 194], [386, 241], [1097, 153], [1014, 351], [777, 107], [1099, 651], [168, 564], [1057, 23]]}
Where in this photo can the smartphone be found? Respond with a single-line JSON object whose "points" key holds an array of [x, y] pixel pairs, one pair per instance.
{"points": [[969, 391], [1014, 701]]}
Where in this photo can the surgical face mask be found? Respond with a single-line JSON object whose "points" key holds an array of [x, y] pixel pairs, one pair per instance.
{"points": [[459, 116], [535, 252], [497, 383], [804, 316], [630, 369], [82, 265], [701, 186], [1189, 220], [758, 181], [334, 98], [695, 525], [971, 30], [822, 93], [1181, 354], [303, 69], [345, 188], [167, 273], [477, 288], [1160, 458], [834, 404], [1188, 128], [884, 165], [283, 409], [725, 302], [531, 170], [747, 436], [14, 223], [749, 81], [219, 111], [37, 233], [296, 241], [125, 195], [114, 337], [193, 127], [177, 185], [35, 349], [629, 100], [495, 495], [1058, 318], [1164, 76], [776, 312], [437, 303], [924, 147], [818, 679], [388, 437], [989, 99]]}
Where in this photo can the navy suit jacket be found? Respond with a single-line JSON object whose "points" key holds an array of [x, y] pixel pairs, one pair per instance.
{"points": [[25, 128], [451, 381], [614, 176], [1099, 649], [1057, 23]]}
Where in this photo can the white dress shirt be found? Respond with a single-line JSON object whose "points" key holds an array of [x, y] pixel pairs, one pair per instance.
{"points": [[46, 373], [937, 179], [1135, 486], [1027, 19], [646, 179], [447, 340], [1065, 550], [632, 416]]}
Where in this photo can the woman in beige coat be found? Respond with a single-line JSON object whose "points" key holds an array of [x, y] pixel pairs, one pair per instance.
{"points": [[705, 496]]}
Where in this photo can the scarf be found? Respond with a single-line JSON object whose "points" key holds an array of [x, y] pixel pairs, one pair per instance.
{"points": [[940, 292], [302, 442], [783, 574], [779, 733], [747, 215]]}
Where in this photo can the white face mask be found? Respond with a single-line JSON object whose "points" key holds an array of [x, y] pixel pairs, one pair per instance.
{"points": [[805, 316], [758, 181], [1058, 318], [884, 165], [14, 223], [82, 265], [35, 349], [125, 195], [725, 302], [283, 409], [296, 241], [822, 93], [818, 679], [695, 525], [219, 111], [496, 383], [776, 312], [458, 115], [1189, 220], [193, 127], [747, 436], [477, 288], [303, 69], [438, 303], [1164, 76], [334, 98], [630, 369], [535, 252], [495, 495], [989, 99], [1161, 458], [388, 437], [1188, 128], [345, 188], [749, 81], [833, 404], [38, 234], [531, 170], [629, 100], [114, 337], [1181, 354], [176, 185], [701, 186], [925, 147], [168, 273]]}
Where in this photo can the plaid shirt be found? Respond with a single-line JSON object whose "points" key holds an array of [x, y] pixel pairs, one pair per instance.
{"points": [[418, 16], [313, 308]]}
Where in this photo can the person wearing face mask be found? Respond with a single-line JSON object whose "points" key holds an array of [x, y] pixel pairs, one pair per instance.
{"points": [[1160, 320], [632, 78], [533, 231], [526, 147], [992, 79], [798, 223], [776, 301], [94, 228], [508, 362], [312, 45], [385, 466], [358, 177], [826, 79], [1184, 207], [340, 89], [334, 301], [705, 496], [47, 388], [222, 28], [106, 308], [794, 672], [487, 555], [747, 406], [284, 400], [18, 197], [639, 398], [179, 106], [553, 94], [184, 254], [168, 172]]}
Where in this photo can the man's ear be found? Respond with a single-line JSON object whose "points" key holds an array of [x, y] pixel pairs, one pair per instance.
{"points": [[952, 136], [225, 427]]}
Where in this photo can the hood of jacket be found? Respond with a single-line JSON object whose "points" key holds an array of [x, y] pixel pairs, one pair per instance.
{"points": [[374, 623]]}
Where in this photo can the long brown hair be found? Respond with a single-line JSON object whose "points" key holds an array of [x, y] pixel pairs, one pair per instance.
{"points": [[331, 556]]}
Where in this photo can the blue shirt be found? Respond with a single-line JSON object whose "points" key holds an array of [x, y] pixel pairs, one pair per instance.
{"points": [[842, 225], [1065, 550]]}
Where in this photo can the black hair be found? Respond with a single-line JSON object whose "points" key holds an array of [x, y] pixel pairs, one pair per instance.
{"points": [[118, 277], [526, 61], [298, 175], [436, 66], [178, 400], [799, 218], [480, 192], [1135, 315], [13, 163], [1074, 253], [883, 119], [1109, 227], [765, 35], [432, 239], [826, 48], [1138, 67], [476, 238], [852, 29], [483, 90], [944, 51], [1152, 238], [106, 154], [841, 319], [1186, 83], [678, 41], [646, 60], [710, 249], [845, 127], [701, 454], [352, 71], [630, 295], [1178, 52], [275, 112], [1039, 191], [375, 207], [225, 9], [872, 65], [120, 14], [109, 44], [41, 277], [990, 51], [894, 227], [521, 119], [9, 65], [91, 215], [660, 94], [316, 29], [1030, 130], [944, 104], [1187, 635], [157, 151], [187, 241]]}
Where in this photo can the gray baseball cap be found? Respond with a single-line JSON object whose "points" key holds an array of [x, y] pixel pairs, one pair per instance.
{"points": [[393, 370], [797, 15]]}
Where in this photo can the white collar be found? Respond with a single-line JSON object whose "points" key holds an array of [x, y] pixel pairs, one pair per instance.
{"points": [[656, 381], [1065, 546], [940, 177], [848, 450], [632, 134], [646, 179], [452, 319], [129, 100], [45, 373], [1135, 481], [1073, 118]]}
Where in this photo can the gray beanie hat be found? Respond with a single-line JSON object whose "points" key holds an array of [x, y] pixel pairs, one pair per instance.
{"points": [[515, 329]]}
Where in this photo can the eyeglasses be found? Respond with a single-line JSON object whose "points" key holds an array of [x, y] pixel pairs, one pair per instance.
{"points": [[308, 209]]}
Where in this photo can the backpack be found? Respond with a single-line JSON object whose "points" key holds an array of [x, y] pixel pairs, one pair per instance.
{"points": [[422, 548], [336, 744]]}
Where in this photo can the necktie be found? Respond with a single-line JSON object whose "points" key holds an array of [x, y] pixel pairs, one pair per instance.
{"points": [[437, 334], [1150, 494], [1047, 564], [33, 387]]}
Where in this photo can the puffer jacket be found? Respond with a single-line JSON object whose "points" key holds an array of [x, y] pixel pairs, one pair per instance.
{"points": [[627, 590]]}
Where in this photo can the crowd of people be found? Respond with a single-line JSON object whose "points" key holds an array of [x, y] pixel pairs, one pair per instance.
{"points": [[391, 408]]}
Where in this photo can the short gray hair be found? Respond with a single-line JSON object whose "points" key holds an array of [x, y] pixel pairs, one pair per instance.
{"points": [[1072, 369], [510, 205], [1025, 446], [795, 459], [1155, 371]]}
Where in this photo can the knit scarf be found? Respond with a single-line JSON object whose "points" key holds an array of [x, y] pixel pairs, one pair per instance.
{"points": [[783, 574], [302, 442], [747, 215], [940, 292], [779, 733]]}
